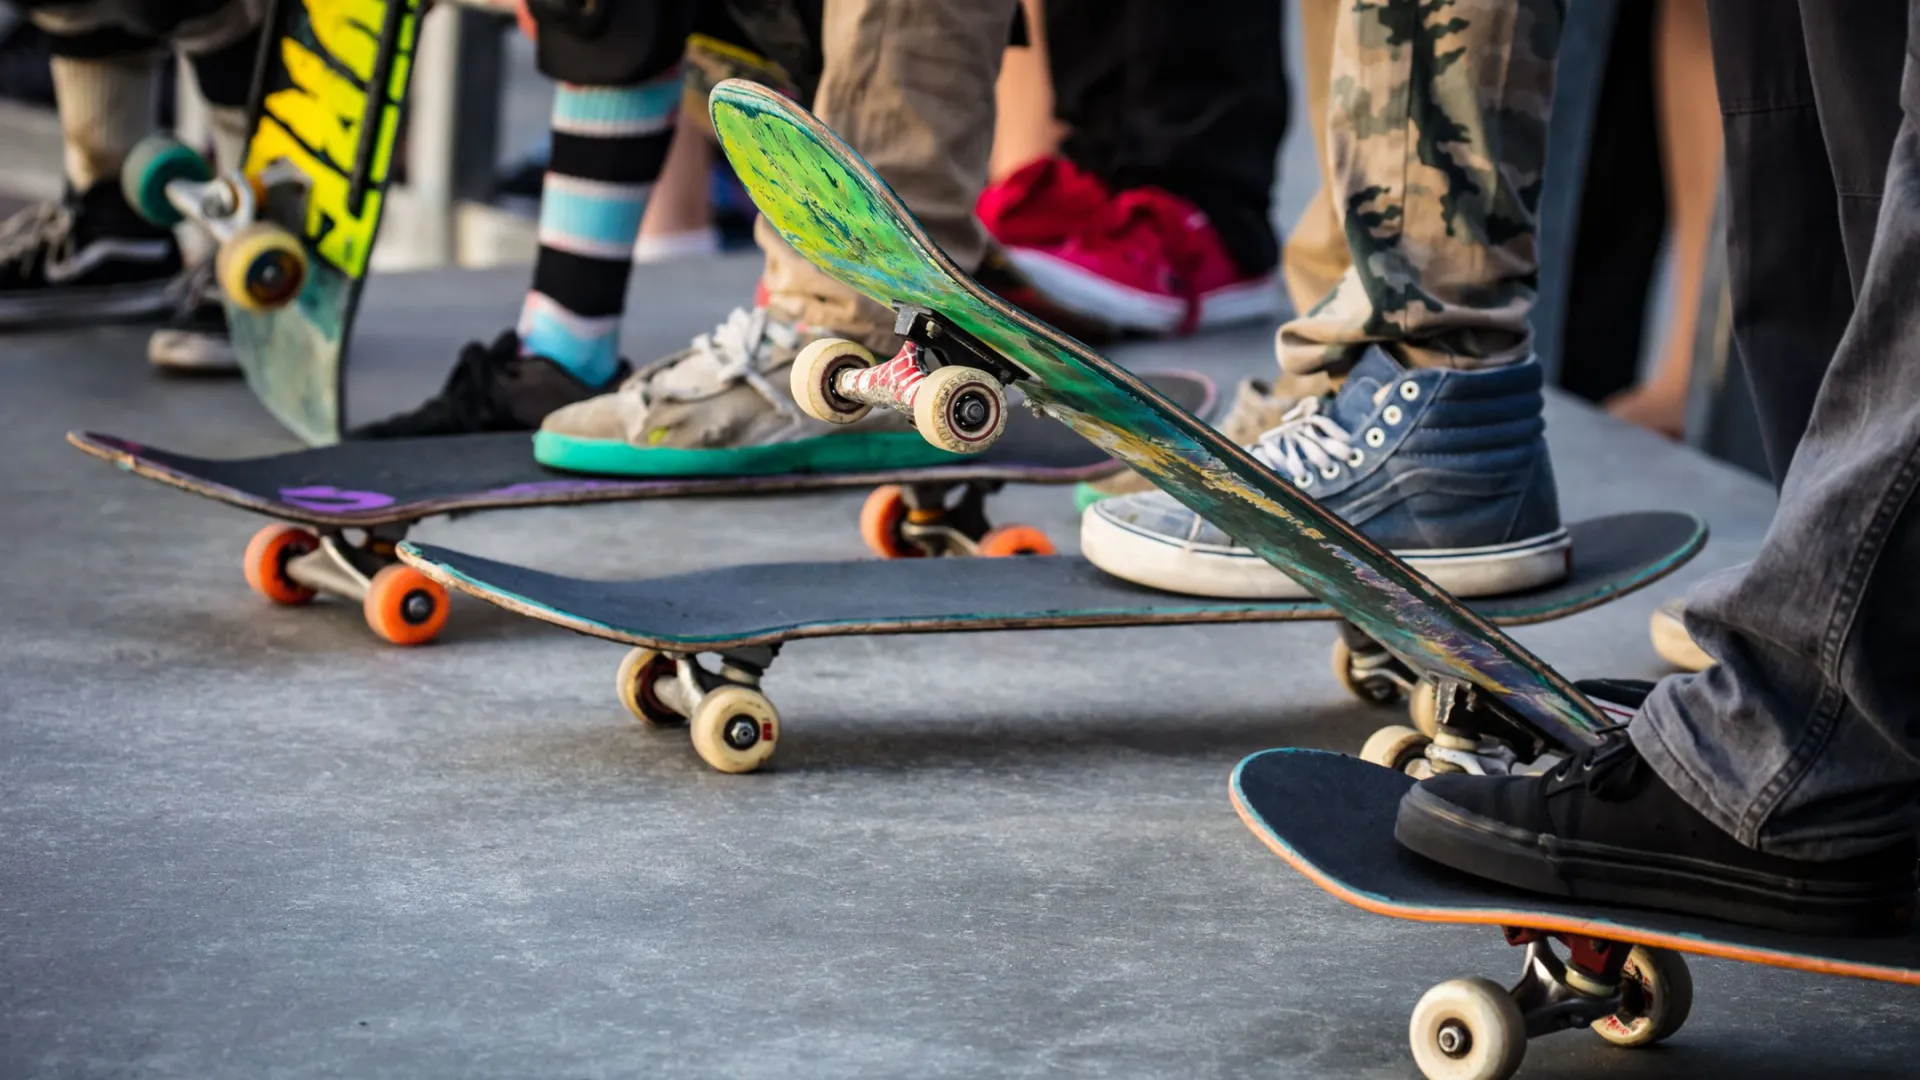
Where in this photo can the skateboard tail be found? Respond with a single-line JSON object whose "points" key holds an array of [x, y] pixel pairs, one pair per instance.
{"points": [[1272, 834], [825, 202]]}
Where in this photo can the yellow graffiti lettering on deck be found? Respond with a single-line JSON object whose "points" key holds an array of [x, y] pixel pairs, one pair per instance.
{"points": [[350, 30], [340, 238], [322, 106]]}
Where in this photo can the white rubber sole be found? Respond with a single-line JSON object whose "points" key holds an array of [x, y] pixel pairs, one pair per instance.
{"points": [[1091, 296], [1237, 574], [186, 350]]}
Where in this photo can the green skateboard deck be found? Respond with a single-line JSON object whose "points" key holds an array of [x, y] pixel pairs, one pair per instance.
{"points": [[831, 207]]}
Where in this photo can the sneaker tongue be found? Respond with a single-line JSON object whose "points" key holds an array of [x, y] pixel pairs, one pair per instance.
{"points": [[1366, 387]]}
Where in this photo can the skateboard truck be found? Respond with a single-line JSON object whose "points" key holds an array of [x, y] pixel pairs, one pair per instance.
{"points": [[1457, 728], [734, 727], [291, 565], [927, 519], [957, 402], [260, 264], [1631, 995]]}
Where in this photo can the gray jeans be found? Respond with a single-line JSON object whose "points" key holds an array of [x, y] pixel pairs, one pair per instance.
{"points": [[1804, 740]]}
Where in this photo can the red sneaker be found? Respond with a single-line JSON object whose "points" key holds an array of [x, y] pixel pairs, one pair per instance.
{"points": [[1151, 262], [1043, 203]]}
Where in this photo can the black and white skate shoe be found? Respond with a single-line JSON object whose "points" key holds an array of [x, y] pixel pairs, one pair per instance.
{"points": [[87, 257]]}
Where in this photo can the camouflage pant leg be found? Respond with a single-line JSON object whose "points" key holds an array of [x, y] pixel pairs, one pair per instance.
{"points": [[1436, 139]]}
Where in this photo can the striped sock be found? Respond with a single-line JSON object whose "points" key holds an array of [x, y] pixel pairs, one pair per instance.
{"points": [[608, 146]]}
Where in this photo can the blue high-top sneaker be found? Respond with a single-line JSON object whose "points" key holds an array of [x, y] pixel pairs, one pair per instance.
{"points": [[1447, 469]]}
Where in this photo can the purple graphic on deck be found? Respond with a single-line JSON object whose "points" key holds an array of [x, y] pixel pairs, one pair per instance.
{"points": [[325, 498], [557, 487]]}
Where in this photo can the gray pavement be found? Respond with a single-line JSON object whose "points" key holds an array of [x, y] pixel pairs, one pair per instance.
{"points": [[239, 841]]}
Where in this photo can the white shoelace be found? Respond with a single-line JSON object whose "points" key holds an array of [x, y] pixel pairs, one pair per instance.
{"points": [[1305, 439], [732, 352], [49, 224]]}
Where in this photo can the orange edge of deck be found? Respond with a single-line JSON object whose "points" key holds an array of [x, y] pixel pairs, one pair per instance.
{"points": [[1534, 920]]}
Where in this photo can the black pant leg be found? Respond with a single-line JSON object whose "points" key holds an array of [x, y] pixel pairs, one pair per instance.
{"points": [[1856, 85], [1786, 258], [1623, 220], [1190, 97]]}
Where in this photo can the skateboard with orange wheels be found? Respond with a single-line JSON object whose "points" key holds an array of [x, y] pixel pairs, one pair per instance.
{"points": [[343, 507], [1620, 971], [740, 616], [295, 223]]}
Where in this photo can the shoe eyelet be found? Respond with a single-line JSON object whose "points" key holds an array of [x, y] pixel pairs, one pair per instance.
{"points": [[1330, 472], [1359, 458], [1391, 414], [1410, 390], [1376, 438], [1304, 480]]}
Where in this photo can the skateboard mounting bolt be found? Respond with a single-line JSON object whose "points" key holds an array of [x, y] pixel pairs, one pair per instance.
{"points": [[971, 412], [742, 732], [1454, 1039], [933, 328]]}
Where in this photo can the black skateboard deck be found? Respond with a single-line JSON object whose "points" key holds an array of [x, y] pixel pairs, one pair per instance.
{"points": [[757, 607], [400, 481], [1331, 817], [383, 488]]}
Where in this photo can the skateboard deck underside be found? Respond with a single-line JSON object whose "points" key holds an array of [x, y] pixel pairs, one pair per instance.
{"points": [[830, 206], [738, 606], [359, 484], [329, 94], [1331, 817]]}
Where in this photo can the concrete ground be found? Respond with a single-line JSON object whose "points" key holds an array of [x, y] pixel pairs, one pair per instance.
{"points": [[240, 841]]}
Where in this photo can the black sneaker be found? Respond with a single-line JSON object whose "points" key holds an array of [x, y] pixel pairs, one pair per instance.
{"points": [[492, 388], [85, 257], [1604, 827], [195, 339]]}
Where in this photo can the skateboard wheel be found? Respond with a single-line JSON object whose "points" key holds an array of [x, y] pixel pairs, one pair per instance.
{"points": [[1395, 748], [1370, 687], [813, 375], [155, 162], [1013, 540], [960, 409], [1424, 707], [1468, 1029], [735, 729], [266, 563], [262, 267], [638, 672], [405, 606], [1656, 992], [880, 519]]}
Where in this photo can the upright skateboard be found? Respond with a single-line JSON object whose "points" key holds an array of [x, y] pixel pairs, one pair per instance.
{"points": [[295, 224], [1622, 974], [741, 615], [341, 509], [1498, 705]]}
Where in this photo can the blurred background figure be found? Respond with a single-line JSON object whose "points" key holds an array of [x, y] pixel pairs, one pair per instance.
{"points": [[1652, 179], [1134, 160]]}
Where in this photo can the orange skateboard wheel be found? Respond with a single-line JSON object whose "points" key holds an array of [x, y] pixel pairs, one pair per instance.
{"points": [[405, 606], [1013, 540], [880, 519], [265, 562]]}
